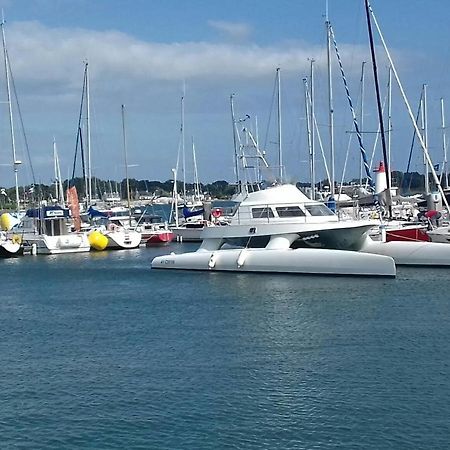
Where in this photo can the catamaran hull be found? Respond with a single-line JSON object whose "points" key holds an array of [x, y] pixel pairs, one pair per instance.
{"points": [[300, 261], [411, 253]]}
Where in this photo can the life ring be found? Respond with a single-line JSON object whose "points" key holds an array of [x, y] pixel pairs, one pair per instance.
{"points": [[16, 239], [216, 213]]}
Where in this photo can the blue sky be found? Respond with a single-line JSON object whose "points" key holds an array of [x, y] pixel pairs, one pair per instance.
{"points": [[142, 52]]}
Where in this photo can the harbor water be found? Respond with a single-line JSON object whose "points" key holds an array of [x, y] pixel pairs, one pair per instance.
{"points": [[100, 351]]}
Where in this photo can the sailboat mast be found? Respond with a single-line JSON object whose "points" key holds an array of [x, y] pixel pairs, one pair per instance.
{"points": [[308, 133], [311, 127], [236, 157], [425, 137], [16, 162], [361, 118], [444, 146], [183, 147], [196, 181], [330, 104], [280, 148], [380, 109], [88, 133], [389, 124], [59, 192], [126, 163]]}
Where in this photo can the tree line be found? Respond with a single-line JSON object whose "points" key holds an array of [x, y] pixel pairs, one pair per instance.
{"points": [[409, 183]]}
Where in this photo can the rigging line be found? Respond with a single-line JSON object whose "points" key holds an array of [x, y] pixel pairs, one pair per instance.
{"points": [[80, 115], [350, 102], [413, 141], [270, 112], [19, 111], [319, 138]]}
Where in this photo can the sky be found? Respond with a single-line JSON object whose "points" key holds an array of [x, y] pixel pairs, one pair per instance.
{"points": [[147, 54]]}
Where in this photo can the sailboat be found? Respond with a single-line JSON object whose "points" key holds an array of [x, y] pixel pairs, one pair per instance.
{"points": [[10, 245], [119, 232]]}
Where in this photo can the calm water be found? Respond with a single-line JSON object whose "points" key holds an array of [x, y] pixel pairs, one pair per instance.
{"points": [[99, 351]]}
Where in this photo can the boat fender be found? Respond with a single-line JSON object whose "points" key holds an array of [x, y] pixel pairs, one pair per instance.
{"points": [[241, 258], [212, 261], [216, 213]]}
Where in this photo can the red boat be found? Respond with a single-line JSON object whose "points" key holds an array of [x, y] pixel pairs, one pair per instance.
{"points": [[158, 237]]}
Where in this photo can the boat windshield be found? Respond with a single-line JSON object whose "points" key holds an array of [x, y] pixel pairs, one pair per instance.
{"points": [[290, 211], [318, 209], [261, 213]]}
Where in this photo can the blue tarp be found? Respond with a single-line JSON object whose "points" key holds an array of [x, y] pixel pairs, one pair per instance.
{"points": [[95, 213], [191, 213]]}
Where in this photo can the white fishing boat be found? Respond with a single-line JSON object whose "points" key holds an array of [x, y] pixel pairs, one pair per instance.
{"points": [[47, 230], [279, 229]]}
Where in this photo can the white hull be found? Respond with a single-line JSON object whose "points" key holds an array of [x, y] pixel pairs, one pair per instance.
{"points": [[299, 261], [55, 245], [122, 239], [411, 253]]}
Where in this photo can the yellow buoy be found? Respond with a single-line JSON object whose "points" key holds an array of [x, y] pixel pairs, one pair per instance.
{"points": [[97, 240], [6, 222]]}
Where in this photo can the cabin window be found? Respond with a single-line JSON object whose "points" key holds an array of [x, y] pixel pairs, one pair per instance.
{"points": [[290, 211], [319, 210], [262, 213]]}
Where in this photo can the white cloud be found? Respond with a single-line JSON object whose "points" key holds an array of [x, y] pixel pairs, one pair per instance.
{"points": [[52, 55], [233, 30]]}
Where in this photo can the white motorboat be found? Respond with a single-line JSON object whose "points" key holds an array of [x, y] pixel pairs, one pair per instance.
{"points": [[279, 229], [47, 230]]}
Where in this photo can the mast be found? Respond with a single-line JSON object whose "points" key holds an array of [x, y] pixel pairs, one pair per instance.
{"points": [[389, 123], [308, 133], [196, 182], [16, 162], [311, 127], [380, 109], [175, 197], [183, 148], [126, 163], [88, 133], [330, 103], [280, 149], [361, 118], [425, 137], [59, 192], [236, 158], [444, 146]]}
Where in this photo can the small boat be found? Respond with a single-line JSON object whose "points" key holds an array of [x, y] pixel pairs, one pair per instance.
{"points": [[117, 226], [10, 246], [47, 230], [159, 237]]}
